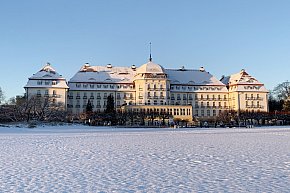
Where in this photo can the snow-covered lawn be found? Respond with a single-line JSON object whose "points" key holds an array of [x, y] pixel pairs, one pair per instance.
{"points": [[92, 159]]}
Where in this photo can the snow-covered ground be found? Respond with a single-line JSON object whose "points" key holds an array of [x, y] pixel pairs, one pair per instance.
{"points": [[92, 159]]}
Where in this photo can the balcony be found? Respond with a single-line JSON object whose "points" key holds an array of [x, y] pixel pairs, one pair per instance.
{"points": [[70, 97], [78, 97], [78, 106], [85, 97], [92, 97], [98, 106], [98, 97], [254, 106], [52, 95], [129, 98]]}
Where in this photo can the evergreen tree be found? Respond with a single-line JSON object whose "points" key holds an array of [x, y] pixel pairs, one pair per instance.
{"points": [[275, 104], [110, 105], [110, 113], [89, 107]]}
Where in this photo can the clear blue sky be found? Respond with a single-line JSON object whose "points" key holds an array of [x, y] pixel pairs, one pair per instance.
{"points": [[224, 36]]}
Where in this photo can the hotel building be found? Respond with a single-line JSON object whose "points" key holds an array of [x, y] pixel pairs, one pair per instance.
{"points": [[184, 93]]}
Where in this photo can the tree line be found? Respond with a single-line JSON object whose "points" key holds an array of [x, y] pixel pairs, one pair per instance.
{"points": [[21, 108]]}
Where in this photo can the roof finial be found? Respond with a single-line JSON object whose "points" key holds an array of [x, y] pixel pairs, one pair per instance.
{"points": [[150, 59]]}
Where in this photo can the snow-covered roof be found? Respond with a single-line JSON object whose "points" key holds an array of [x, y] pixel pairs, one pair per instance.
{"points": [[104, 74], [46, 77], [243, 82], [241, 77], [151, 68], [47, 72], [192, 77]]}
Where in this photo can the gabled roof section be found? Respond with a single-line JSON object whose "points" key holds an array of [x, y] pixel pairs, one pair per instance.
{"points": [[47, 72], [242, 81], [240, 78]]}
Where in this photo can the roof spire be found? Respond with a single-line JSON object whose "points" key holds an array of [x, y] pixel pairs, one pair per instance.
{"points": [[150, 59]]}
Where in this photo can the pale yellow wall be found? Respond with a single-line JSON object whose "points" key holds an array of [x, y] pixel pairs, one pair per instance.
{"points": [[250, 101], [145, 86], [180, 112], [78, 100]]}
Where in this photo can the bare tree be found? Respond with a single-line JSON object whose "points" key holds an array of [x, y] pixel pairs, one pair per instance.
{"points": [[33, 108], [1, 96], [282, 91]]}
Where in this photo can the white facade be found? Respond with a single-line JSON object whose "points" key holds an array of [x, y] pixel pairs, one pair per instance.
{"points": [[47, 83]]}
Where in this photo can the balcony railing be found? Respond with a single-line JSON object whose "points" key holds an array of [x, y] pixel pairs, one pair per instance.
{"points": [[254, 106], [52, 95], [254, 98]]}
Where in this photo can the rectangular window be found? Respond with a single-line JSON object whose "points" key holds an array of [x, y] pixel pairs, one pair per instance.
{"points": [[208, 113]]}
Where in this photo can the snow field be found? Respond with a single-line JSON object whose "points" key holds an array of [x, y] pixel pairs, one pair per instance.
{"points": [[144, 160]]}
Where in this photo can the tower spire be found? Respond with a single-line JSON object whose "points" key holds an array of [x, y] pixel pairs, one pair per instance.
{"points": [[150, 59]]}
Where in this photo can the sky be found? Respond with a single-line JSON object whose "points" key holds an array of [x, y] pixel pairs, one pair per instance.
{"points": [[223, 36]]}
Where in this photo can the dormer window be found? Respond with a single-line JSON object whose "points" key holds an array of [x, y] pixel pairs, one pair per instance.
{"points": [[53, 82], [46, 82], [39, 82]]}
